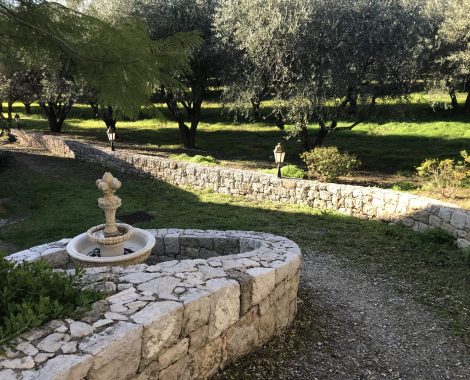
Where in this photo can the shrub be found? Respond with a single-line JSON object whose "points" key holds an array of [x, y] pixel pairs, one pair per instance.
{"points": [[197, 159], [11, 138], [438, 236], [328, 163], [445, 174], [404, 186], [291, 171], [32, 293]]}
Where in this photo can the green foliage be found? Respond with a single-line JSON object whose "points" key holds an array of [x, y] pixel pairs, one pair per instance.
{"points": [[328, 163], [32, 293], [445, 174], [5, 161], [404, 186], [197, 159], [290, 171], [438, 236], [120, 61]]}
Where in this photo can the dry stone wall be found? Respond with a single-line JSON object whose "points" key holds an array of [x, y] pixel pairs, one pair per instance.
{"points": [[179, 319], [415, 212]]}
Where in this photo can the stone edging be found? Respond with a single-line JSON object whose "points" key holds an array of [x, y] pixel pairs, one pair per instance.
{"points": [[418, 213], [175, 319]]}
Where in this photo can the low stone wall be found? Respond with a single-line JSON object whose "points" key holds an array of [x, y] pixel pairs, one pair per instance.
{"points": [[415, 212], [179, 319]]}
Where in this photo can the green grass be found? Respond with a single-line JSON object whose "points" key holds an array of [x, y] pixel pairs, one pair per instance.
{"points": [[58, 199], [290, 171], [399, 138], [197, 159]]}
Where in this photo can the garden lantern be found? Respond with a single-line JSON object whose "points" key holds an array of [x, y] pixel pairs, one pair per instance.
{"points": [[279, 155], [17, 119], [111, 132]]}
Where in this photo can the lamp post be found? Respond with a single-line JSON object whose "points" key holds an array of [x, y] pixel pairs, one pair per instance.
{"points": [[111, 132], [17, 119], [279, 155]]}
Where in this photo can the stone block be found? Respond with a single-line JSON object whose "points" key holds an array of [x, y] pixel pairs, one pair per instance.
{"points": [[463, 243], [180, 370], [163, 287], [246, 288], [173, 353], [116, 351], [161, 323], [264, 281], [267, 324], [225, 305], [242, 337], [208, 359], [66, 367], [198, 338], [197, 308], [172, 244], [458, 219]]}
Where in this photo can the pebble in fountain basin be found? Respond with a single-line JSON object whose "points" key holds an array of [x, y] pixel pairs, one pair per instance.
{"points": [[110, 243], [177, 319]]}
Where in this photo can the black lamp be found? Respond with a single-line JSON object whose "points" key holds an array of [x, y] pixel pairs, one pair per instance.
{"points": [[17, 119], [111, 132], [279, 155]]}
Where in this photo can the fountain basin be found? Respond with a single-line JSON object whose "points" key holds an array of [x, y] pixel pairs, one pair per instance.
{"points": [[111, 245], [140, 242]]}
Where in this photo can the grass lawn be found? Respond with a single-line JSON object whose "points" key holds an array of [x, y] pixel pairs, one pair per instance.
{"points": [[390, 146], [52, 198]]}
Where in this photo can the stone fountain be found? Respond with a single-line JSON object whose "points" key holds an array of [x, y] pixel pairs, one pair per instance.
{"points": [[110, 243]]}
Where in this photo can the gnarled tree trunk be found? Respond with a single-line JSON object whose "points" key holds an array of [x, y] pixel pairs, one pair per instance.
{"points": [[56, 114]]}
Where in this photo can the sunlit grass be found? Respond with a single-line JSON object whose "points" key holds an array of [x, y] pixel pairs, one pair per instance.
{"points": [[402, 135]]}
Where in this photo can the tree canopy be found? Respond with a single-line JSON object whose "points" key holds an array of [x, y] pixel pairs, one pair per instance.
{"points": [[120, 61]]}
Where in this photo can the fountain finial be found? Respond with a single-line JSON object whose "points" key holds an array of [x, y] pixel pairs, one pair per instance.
{"points": [[108, 185]]}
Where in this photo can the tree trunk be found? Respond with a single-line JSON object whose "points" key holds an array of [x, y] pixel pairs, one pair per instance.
{"points": [[467, 102], [321, 136], [27, 107], [453, 99], [193, 109], [10, 113], [56, 114], [256, 103], [95, 108]]}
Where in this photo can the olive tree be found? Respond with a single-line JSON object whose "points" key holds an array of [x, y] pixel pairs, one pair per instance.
{"points": [[165, 18], [324, 61], [449, 67]]}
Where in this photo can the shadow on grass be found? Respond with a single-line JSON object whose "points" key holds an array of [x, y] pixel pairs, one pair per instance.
{"points": [[54, 198], [382, 153]]}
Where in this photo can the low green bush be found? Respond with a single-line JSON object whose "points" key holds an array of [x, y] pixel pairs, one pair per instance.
{"points": [[444, 175], [32, 294], [404, 186], [197, 159], [328, 163], [291, 171], [438, 236]]}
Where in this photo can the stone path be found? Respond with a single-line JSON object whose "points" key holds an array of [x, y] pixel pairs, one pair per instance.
{"points": [[356, 326]]}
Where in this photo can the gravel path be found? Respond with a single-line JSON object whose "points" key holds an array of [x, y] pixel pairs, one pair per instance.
{"points": [[352, 325]]}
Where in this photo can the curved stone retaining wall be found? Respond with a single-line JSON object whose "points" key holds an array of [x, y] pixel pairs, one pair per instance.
{"points": [[179, 319], [415, 212]]}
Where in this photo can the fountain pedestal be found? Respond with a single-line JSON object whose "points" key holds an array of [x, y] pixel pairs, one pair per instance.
{"points": [[110, 243]]}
